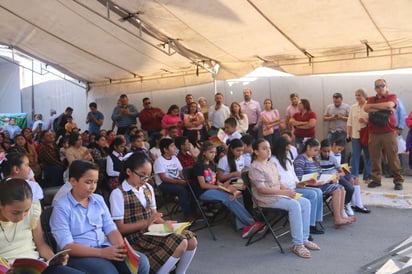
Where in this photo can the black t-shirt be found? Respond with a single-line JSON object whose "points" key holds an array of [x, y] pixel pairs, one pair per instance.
{"points": [[207, 171]]}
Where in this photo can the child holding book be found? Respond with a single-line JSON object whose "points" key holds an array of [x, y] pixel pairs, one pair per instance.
{"points": [[331, 165], [82, 223], [230, 168], [22, 234], [204, 172], [133, 207], [306, 163], [267, 189], [280, 157]]}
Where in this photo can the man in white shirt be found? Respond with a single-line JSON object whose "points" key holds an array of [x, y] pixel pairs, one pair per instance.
{"points": [[252, 109], [218, 113]]}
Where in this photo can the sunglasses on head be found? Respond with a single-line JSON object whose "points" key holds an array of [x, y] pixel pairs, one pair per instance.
{"points": [[380, 86]]}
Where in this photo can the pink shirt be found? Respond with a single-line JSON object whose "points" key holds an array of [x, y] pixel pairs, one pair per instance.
{"points": [[252, 109], [270, 116], [170, 120]]}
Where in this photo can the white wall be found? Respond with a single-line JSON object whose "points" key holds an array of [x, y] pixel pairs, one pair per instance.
{"points": [[9, 88]]}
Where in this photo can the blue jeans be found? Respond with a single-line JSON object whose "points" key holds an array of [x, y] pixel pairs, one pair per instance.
{"points": [[315, 197], [181, 191], [272, 137], [332, 136], [243, 216], [98, 265], [357, 148], [299, 215], [349, 189], [60, 269]]}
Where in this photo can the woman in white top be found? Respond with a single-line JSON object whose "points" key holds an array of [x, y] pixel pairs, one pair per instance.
{"points": [[280, 153], [241, 118]]}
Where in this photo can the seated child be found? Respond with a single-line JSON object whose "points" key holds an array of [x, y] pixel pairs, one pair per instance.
{"points": [[205, 174], [247, 141], [334, 150], [169, 177], [184, 156], [133, 207], [82, 223], [306, 163]]}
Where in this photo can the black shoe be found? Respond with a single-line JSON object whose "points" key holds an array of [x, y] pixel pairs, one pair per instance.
{"points": [[361, 210], [315, 230], [373, 184], [398, 187], [310, 238]]}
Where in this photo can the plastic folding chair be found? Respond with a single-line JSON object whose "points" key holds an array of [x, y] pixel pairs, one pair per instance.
{"points": [[265, 212]]}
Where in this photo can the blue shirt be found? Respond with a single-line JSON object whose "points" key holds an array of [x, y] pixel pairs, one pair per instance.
{"points": [[125, 120], [71, 222], [400, 115], [93, 127]]}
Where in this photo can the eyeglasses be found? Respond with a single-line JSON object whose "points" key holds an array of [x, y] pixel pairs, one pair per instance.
{"points": [[380, 86], [147, 103], [143, 178]]}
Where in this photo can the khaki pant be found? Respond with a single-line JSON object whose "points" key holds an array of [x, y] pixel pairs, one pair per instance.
{"points": [[384, 143]]}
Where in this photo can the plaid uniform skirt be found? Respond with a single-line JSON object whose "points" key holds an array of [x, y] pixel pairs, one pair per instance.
{"points": [[159, 249]]}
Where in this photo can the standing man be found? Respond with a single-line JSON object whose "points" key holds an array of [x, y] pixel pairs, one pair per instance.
{"points": [[59, 123], [94, 118], [218, 113], [53, 116], [151, 119], [337, 115], [382, 139], [292, 109], [185, 109], [124, 115], [252, 109]]}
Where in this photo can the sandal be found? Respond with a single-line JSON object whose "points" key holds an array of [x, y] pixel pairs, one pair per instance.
{"points": [[301, 251], [311, 246]]}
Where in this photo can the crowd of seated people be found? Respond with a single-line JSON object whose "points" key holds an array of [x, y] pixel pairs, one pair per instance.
{"points": [[121, 167]]}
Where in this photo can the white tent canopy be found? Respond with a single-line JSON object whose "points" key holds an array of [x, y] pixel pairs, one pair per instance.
{"points": [[143, 45]]}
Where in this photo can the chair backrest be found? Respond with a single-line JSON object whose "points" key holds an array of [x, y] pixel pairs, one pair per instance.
{"points": [[191, 181], [45, 224]]}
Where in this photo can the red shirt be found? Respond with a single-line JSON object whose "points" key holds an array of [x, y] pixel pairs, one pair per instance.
{"points": [[304, 133], [185, 159], [389, 127], [151, 119]]}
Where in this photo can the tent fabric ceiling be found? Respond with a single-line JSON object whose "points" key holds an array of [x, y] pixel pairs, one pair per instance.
{"points": [[157, 44]]}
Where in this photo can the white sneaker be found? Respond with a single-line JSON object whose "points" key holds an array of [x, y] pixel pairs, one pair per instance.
{"points": [[348, 210], [344, 215]]}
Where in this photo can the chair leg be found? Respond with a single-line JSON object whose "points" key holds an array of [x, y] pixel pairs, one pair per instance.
{"points": [[206, 220]]}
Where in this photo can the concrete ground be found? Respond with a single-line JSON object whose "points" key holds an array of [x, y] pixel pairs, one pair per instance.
{"points": [[343, 250]]}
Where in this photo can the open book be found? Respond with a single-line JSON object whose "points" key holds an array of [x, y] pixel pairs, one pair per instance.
{"points": [[220, 138], [297, 196], [164, 230], [307, 179], [345, 168], [132, 259], [225, 189], [29, 265]]}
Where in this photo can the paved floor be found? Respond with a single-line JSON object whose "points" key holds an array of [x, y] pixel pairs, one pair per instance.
{"points": [[344, 250]]}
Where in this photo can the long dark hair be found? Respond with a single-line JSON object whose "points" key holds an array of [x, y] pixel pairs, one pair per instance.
{"points": [[255, 146], [12, 159], [279, 151], [235, 143], [203, 148], [309, 143], [12, 190]]}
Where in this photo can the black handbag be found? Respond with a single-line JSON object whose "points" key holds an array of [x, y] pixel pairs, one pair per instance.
{"points": [[380, 118]]}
